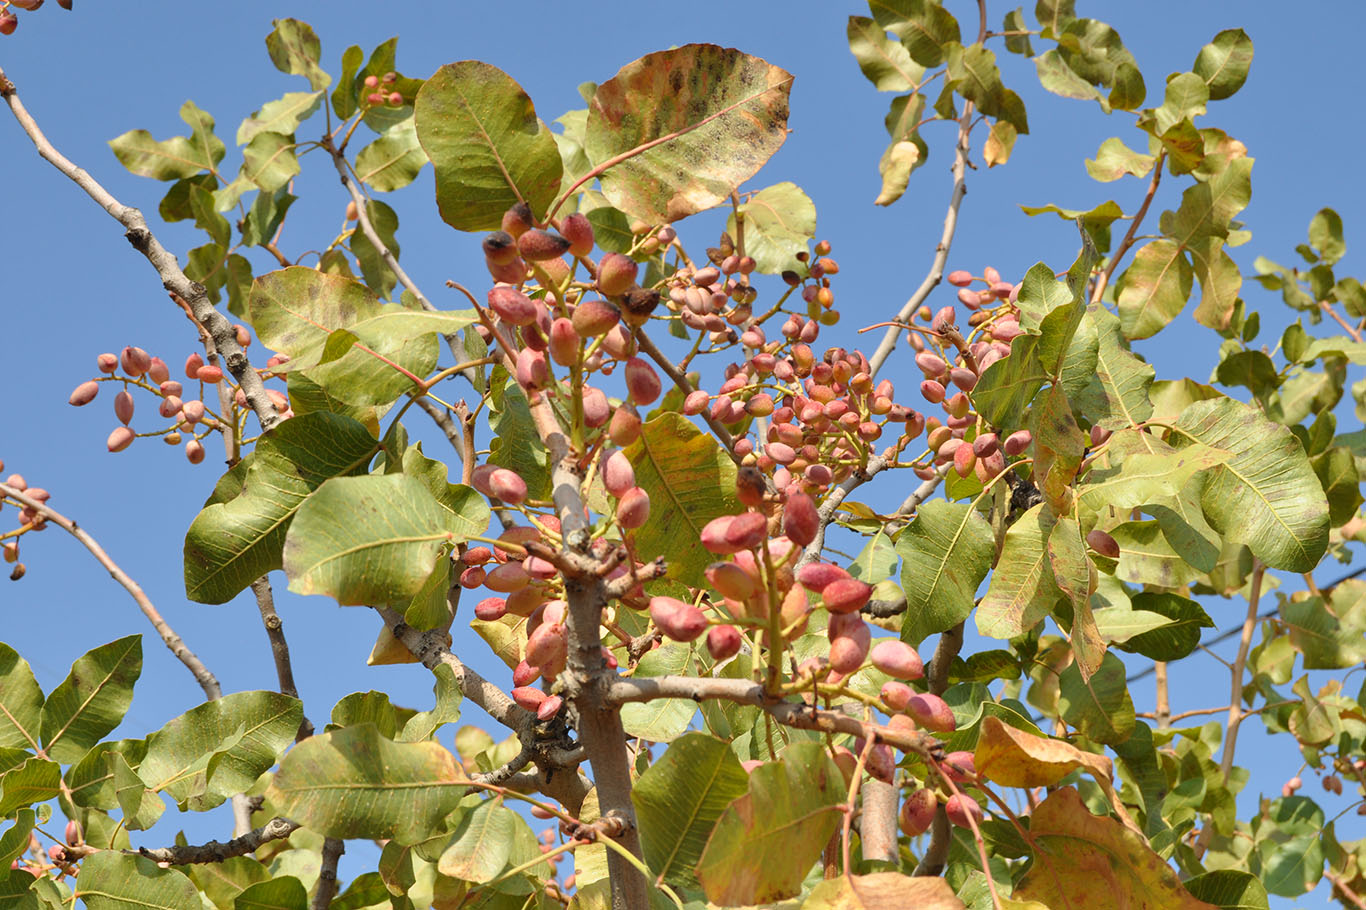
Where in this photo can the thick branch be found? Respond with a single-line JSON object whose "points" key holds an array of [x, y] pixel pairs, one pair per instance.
{"points": [[216, 852], [146, 243], [201, 673], [941, 252], [937, 852], [876, 465], [877, 829], [333, 848]]}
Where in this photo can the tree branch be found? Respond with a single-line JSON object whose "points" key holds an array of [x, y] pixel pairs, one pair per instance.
{"points": [[877, 829], [680, 380], [279, 648], [333, 848], [788, 713], [1104, 278], [216, 852], [937, 852], [146, 243], [941, 252], [1235, 708], [431, 650], [201, 673]]}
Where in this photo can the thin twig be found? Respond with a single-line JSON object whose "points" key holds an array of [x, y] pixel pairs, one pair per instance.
{"points": [[279, 647], [1235, 708], [368, 228], [201, 673], [1341, 888], [1163, 715], [680, 380], [1103, 278], [1337, 317], [146, 243], [941, 252]]}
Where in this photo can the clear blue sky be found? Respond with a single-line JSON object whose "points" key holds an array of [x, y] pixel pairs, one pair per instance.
{"points": [[70, 287]]}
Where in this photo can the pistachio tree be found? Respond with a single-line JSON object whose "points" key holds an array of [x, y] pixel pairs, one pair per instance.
{"points": [[649, 465]]}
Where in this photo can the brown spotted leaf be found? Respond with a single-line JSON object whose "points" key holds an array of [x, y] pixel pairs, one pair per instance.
{"points": [[681, 129], [883, 891], [1089, 855]]}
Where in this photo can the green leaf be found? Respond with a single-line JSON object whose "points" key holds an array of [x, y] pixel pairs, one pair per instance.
{"points": [[92, 699], [1022, 589], [1154, 289], [687, 126], [780, 221], [174, 158], [366, 540], [1337, 472], [1095, 222], [264, 218], [232, 543], [1072, 573], [1060, 79], [1224, 62], [1141, 478], [486, 144], [346, 94], [886, 63], [365, 708], [376, 272], [21, 702], [14, 842], [110, 880], [296, 311], [91, 780], [1099, 707], [283, 893], [946, 551], [1005, 389], [280, 116], [220, 748], [393, 160], [516, 444], [767, 840], [141, 807], [354, 783], [448, 696], [923, 26], [680, 798], [1118, 396], [1180, 635], [1329, 639], [269, 161], [1325, 234], [35, 781], [974, 74], [1267, 495], [690, 480], [1115, 159], [295, 49], [663, 719]]}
